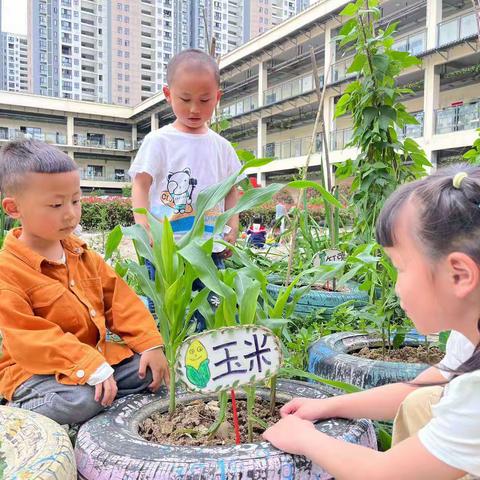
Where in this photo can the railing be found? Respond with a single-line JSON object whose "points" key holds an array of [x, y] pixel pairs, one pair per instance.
{"points": [[61, 139], [241, 106], [459, 118], [86, 175], [291, 88], [338, 71], [456, 29], [413, 131], [295, 147], [48, 137], [413, 43], [340, 138], [112, 144]]}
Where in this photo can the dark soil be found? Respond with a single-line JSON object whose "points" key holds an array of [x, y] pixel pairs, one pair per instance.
{"points": [[415, 354], [190, 424]]}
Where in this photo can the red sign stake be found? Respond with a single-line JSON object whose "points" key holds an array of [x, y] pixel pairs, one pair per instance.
{"points": [[235, 417]]}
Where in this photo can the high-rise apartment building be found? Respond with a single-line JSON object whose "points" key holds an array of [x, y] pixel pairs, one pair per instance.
{"points": [[70, 48], [261, 15], [116, 51], [14, 75], [14, 63]]}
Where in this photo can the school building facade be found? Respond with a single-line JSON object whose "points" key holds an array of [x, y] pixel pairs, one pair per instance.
{"points": [[270, 98]]}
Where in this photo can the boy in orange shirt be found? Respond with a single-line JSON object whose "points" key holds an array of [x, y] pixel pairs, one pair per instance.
{"points": [[58, 298]]}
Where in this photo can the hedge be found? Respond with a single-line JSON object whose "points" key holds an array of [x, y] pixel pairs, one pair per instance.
{"points": [[104, 213]]}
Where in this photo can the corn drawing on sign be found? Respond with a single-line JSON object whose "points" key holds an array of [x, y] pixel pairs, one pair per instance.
{"points": [[196, 364]]}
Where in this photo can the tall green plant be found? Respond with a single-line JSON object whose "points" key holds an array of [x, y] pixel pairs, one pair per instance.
{"points": [[373, 100], [473, 155], [178, 262]]}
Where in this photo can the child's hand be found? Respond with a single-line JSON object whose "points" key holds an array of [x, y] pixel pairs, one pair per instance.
{"points": [[305, 408], [109, 390], [231, 237], [156, 361], [290, 434]]}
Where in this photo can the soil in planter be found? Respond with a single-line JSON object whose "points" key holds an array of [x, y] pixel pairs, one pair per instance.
{"points": [[190, 424], [408, 354]]}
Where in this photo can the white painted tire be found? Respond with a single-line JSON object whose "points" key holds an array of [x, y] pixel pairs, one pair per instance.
{"points": [[33, 446]]}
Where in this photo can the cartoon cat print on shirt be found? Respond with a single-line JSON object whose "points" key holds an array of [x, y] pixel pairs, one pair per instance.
{"points": [[180, 186]]}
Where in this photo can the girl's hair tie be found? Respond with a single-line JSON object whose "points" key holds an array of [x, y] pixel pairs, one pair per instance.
{"points": [[458, 179]]}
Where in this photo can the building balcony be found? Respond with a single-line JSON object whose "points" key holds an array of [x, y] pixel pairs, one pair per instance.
{"points": [[294, 147], [413, 131], [54, 138], [85, 174], [458, 118], [291, 88], [105, 143], [340, 138], [456, 29], [240, 107], [413, 43]]}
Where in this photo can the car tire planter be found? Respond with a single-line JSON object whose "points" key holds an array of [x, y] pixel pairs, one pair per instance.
{"points": [[109, 448], [321, 299], [329, 358], [33, 446]]}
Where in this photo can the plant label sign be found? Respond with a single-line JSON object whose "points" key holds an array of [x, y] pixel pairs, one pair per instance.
{"points": [[334, 256], [226, 358]]}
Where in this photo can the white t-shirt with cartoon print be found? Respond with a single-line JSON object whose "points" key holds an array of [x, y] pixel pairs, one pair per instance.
{"points": [[182, 165], [453, 434]]}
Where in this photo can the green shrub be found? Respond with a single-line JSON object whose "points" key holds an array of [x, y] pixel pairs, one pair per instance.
{"points": [[106, 213]]}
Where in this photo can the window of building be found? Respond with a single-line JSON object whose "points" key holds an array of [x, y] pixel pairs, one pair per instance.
{"points": [[94, 171]]}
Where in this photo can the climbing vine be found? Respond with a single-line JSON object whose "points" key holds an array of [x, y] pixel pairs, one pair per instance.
{"points": [[373, 101]]}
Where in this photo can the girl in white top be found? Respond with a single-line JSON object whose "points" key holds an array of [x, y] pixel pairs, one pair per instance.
{"points": [[430, 229]]}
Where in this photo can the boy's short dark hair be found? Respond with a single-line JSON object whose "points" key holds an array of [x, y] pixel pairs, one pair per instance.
{"points": [[30, 156], [194, 58]]}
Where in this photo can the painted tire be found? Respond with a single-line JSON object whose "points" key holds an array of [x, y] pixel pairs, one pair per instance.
{"points": [[108, 447], [315, 299], [329, 358], [33, 446]]}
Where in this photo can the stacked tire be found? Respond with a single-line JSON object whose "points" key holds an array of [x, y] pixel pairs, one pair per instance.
{"points": [[33, 446]]}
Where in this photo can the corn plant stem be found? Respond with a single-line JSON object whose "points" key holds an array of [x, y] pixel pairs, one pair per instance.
{"points": [[223, 401], [250, 391], [172, 399], [273, 394], [318, 119]]}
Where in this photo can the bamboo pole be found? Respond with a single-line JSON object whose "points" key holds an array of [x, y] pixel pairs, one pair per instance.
{"points": [[318, 120]]}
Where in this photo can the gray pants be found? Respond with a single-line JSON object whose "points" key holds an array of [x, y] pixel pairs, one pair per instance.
{"points": [[69, 404]]}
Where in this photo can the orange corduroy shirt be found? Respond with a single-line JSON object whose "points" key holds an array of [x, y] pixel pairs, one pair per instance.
{"points": [[54, 316]]}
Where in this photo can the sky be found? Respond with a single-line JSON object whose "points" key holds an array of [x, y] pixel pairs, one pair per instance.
{"points": [[14, 16]]}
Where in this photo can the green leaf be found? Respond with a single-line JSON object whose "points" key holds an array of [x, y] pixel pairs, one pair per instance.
{"points": [[381, 62], [398, 340], [250, 199], [113, 241], [327, 196], [369, 115], [358, 63], [350, 10], [340, 108], [296, 372]]}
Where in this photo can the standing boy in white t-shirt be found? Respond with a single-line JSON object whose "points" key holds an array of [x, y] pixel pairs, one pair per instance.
{"points": [[177, 161]]}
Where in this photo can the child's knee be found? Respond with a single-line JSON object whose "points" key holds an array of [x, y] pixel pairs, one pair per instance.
{"points": [[77, 405], [420, 401]]}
